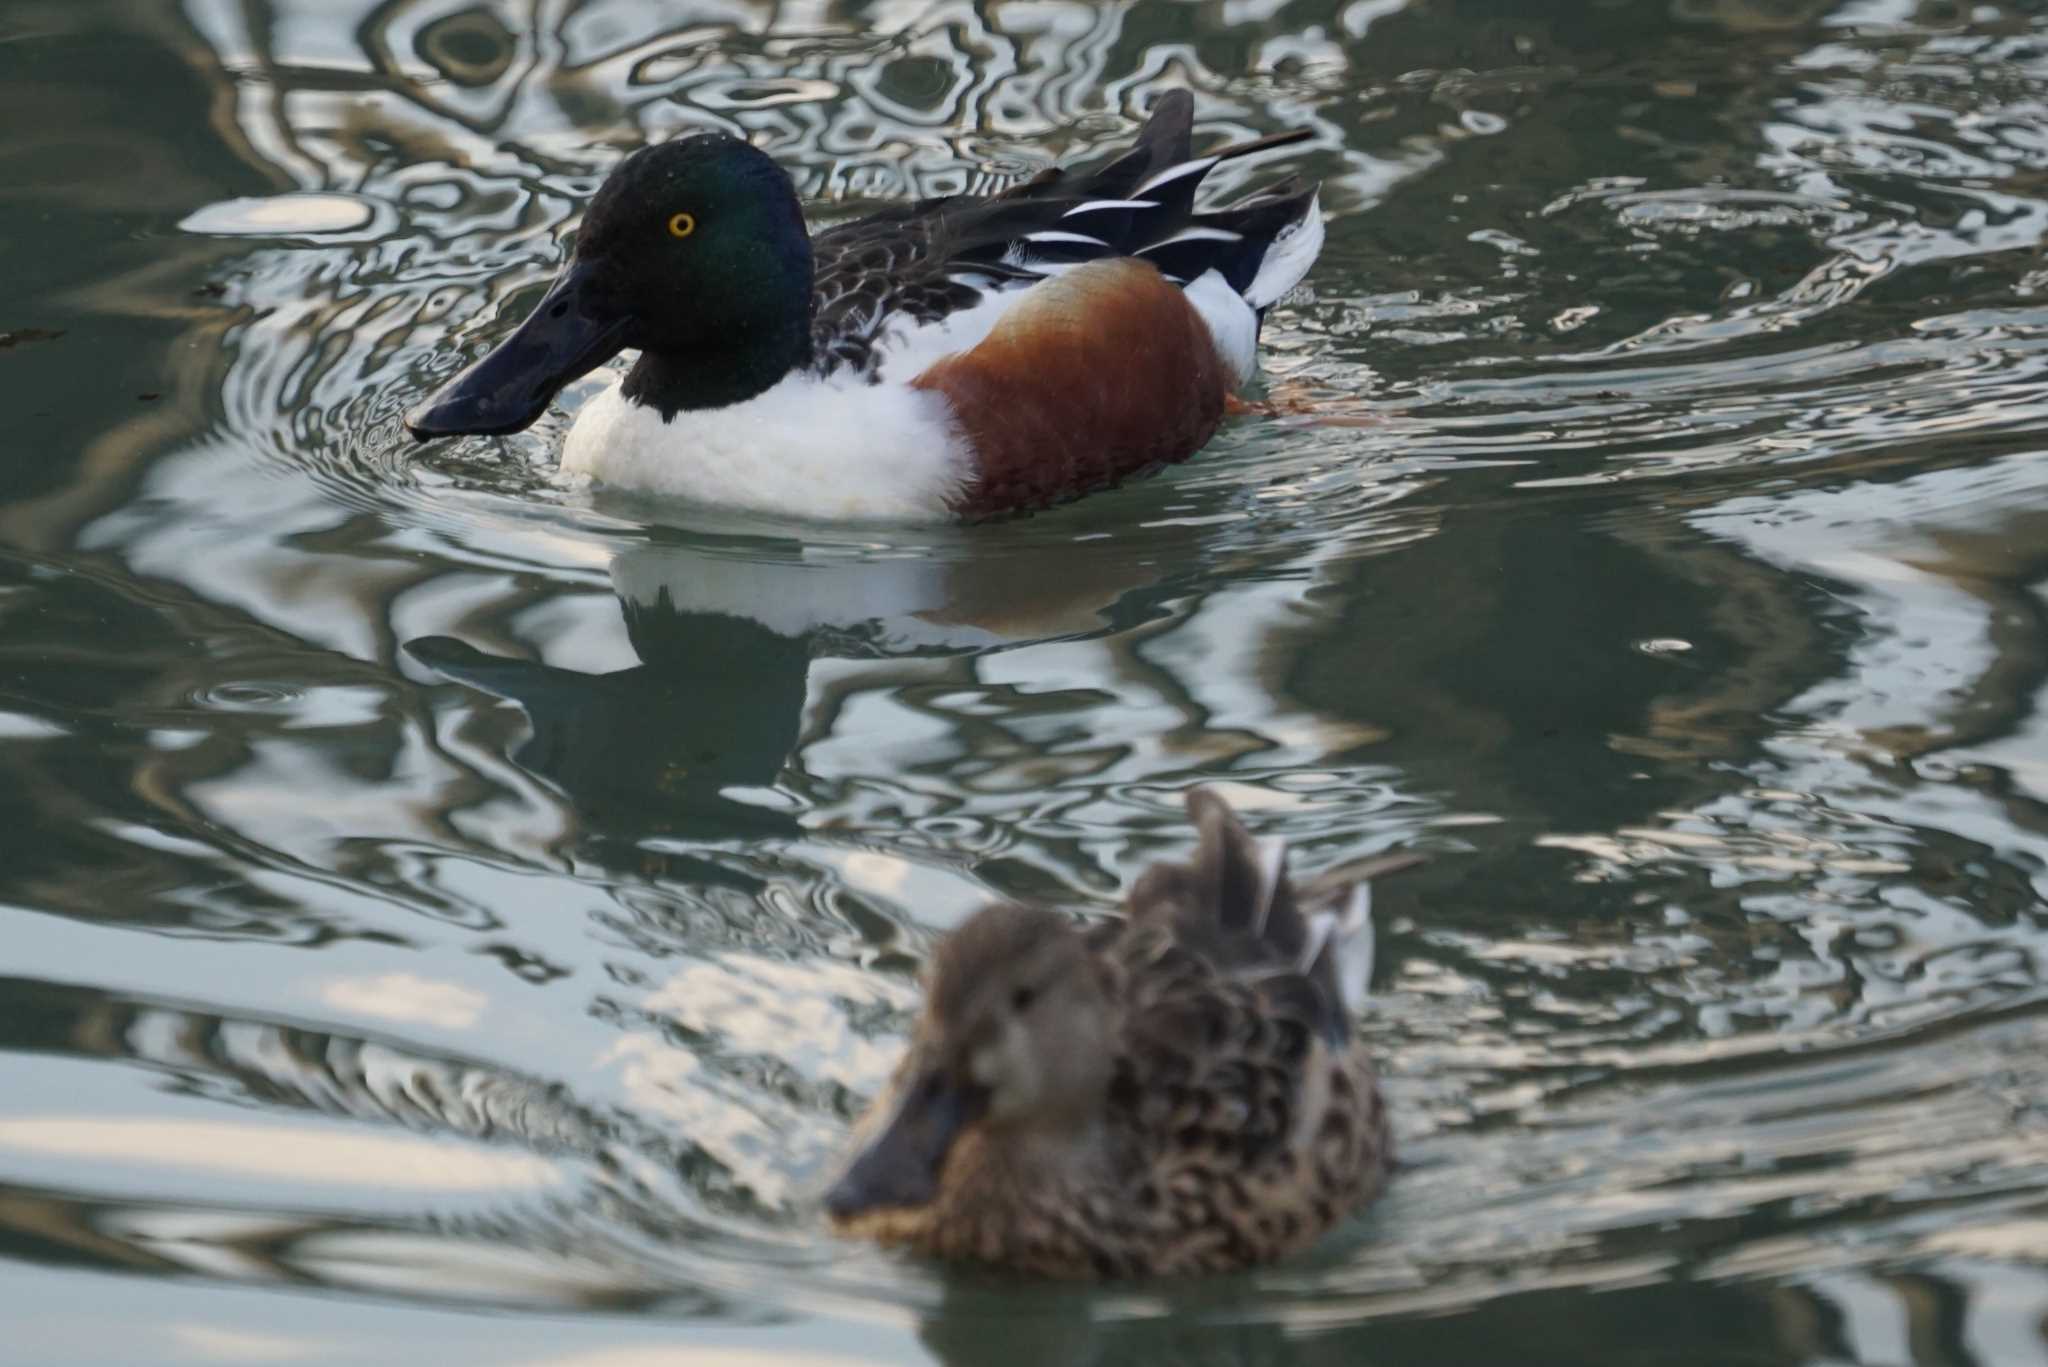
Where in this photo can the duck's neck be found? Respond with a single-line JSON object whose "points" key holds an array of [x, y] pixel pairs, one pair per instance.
{"points": [[744, 365]]}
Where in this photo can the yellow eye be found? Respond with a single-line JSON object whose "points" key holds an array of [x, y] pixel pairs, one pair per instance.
{"points": [[682, 225]]}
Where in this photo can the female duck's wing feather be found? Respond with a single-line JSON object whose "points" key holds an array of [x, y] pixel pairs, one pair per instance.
{"points": [[881, 279], [1235, 907], [1239, 1132], [1339, 915], [1249, 1121], [1209, 1062]]}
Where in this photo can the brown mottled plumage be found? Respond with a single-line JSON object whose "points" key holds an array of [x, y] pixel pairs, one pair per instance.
{"points": [[1175, 1092]]}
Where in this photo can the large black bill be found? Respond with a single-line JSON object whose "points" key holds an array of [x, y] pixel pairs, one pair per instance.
{"points": [[563, 339], [901, 1168]]}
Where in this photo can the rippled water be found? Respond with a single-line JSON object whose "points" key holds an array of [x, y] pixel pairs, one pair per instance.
{"points": [[452, 916]]}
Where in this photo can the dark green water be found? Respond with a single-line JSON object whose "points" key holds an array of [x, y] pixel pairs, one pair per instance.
{"points": [[447, 916]]}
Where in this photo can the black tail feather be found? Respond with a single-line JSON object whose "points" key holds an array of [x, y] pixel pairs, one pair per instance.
{"points": [[1259, 220], [1123, 207], [1286, 137], [1166, 138]]}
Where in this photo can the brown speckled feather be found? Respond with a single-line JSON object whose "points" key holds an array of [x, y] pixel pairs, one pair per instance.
{"points": [[1196, 1104]]}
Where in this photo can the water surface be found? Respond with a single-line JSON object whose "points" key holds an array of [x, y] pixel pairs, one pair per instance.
{"points": [[453, 915]]}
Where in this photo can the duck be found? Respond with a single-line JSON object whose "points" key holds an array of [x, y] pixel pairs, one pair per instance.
{"points": [[949, 359], [1180, 1090]]}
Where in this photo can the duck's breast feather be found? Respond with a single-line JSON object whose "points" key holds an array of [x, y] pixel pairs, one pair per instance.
{"points": [[1092, 376]]}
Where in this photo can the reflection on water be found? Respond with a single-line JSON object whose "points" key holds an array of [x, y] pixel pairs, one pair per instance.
{"points": [[434, 882]]}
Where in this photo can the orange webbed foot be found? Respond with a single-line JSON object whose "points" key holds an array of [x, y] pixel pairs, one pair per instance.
{"points": [[1304, 405]]}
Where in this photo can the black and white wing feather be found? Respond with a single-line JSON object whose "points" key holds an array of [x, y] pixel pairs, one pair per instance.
{"points": [[921, 263]]}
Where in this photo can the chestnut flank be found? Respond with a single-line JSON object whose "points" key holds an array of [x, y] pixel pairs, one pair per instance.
{"points": [[1094, 376]]}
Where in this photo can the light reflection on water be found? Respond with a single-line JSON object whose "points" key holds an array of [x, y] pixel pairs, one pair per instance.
{"points": [[438, 883]]}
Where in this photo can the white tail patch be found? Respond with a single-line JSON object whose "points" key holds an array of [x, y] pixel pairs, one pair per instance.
{"points": [[1319, 928], [1272, 855], [1232, 325], [1293, 251], [1102, 205], [1356, 947], [1176, 172], [1349, 935]]}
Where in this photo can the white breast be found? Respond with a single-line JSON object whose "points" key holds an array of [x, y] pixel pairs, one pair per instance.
{"points": [[807, 448]]}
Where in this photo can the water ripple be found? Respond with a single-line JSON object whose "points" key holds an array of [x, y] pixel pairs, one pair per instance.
{"points": [[1645, 526]]}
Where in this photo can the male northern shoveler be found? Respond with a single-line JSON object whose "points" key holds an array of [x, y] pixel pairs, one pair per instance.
{"points": [[953, 358], [1179, 1091]]}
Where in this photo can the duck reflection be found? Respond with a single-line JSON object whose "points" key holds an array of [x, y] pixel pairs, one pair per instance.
{"points": [[642, 750], [726, 635], [1847, 1315]]}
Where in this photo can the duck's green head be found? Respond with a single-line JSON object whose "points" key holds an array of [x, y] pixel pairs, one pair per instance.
{"points": [[695, 254]]}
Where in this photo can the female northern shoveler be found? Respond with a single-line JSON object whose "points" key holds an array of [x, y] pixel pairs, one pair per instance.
{"points": [[1176, 1092], [955, 357]]}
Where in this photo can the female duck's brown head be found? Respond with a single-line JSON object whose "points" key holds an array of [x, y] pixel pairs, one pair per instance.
{"points": [[1013, 1056]]}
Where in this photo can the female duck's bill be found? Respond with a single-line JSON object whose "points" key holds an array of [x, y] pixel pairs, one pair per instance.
{"points": [[901, 1167]]}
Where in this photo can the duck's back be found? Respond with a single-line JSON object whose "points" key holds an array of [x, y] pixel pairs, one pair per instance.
{"points": [[1246, 1119], [902, 288]]}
